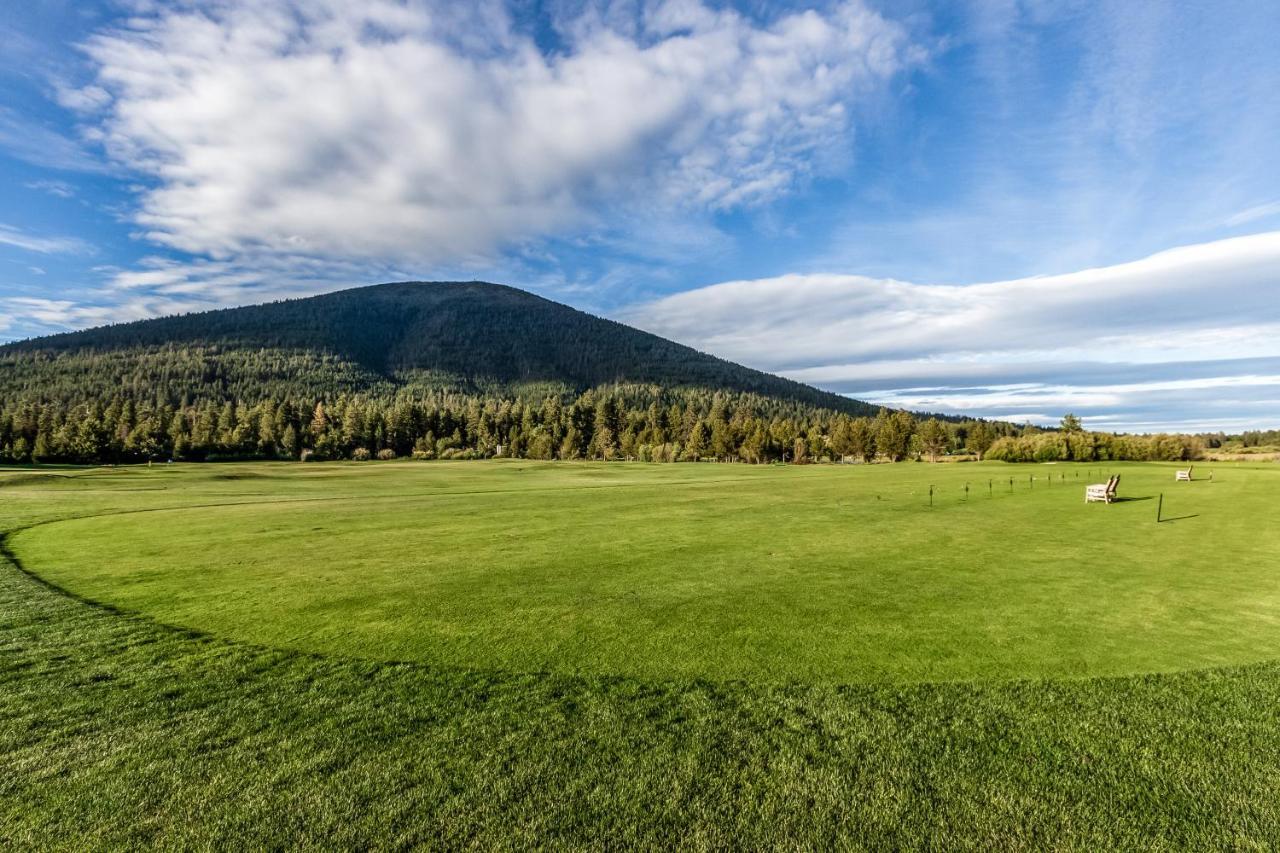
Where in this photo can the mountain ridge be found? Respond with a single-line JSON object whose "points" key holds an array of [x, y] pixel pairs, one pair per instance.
{"points": [[465, 334]]}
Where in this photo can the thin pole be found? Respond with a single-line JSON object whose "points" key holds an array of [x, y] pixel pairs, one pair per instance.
{"points": [[1159, 507], [931, 496]]}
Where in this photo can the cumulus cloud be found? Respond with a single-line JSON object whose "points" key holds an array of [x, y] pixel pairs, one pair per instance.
{"points": [[441, 132], [1113, 342]]}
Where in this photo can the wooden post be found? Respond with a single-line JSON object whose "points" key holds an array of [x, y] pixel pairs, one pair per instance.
{"points": [[1159, 507]]}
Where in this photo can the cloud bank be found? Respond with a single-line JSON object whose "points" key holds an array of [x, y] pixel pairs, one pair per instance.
{"points": [[441, 132], [1134, 345]]}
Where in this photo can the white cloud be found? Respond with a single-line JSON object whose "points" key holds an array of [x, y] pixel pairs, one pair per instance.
{"points": [[40, 315], [16, 237], [1210, 310], [256, 278], [439, 133], [1252, 214], [61, 189], [35, 143]]}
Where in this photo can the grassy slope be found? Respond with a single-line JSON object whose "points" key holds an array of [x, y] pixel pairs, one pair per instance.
{"points": [[114, 730], [767, 574]]}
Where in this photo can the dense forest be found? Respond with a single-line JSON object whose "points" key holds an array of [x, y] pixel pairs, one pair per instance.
{"points": [[456, 370], [611, 422], [645, 423]]}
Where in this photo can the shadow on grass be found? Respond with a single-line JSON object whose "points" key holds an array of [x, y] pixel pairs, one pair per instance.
{"points": [[1119, 500], [1179, 518]]}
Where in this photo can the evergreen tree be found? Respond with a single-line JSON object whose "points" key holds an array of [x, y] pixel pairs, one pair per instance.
{"points": [[981, 437], [933, 438]]}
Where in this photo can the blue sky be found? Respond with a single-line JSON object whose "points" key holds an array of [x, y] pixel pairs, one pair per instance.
{"points": [[1004, 208]]}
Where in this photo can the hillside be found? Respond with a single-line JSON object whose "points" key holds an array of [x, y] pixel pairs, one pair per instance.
{"points": [[457, 336]]}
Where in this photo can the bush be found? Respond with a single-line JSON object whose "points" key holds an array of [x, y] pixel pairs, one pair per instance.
{"points": [[386, 453], [361, 454]]}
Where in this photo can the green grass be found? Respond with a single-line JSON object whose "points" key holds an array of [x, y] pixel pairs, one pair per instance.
{"points": [[703, 655], [778, 574]]}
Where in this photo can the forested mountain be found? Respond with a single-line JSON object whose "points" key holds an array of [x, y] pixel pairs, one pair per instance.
{"points": [[468, 337], [448, 370], [430, 369]]}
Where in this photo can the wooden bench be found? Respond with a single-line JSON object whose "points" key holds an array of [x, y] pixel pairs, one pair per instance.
{"points": [[1105, 492], [1183, 475]]}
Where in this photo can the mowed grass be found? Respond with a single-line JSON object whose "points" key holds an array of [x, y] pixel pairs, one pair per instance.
{"points": [[836, 574], [117, 729]]}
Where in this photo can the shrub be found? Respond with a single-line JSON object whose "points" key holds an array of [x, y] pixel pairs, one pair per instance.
{"points": [[386, 453], [361, 454]]}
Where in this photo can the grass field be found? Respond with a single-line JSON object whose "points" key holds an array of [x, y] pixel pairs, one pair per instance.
{"points": [[514, 653]]}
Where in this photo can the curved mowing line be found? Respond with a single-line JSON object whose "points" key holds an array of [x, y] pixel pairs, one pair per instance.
{"points": [[184, 631], [107, 607], [188, 633]]}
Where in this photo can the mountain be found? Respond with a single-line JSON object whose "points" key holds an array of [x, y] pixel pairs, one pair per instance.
{"points": [[465, 337]]}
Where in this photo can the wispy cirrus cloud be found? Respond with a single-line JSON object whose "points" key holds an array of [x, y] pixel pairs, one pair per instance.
{"points": [[61, 189], [36, 143], [1253, 214], [45, 245], [33, 315], [1119, 343]]}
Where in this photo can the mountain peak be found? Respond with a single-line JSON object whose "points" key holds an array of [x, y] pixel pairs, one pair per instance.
{"points": [[456, 334]]}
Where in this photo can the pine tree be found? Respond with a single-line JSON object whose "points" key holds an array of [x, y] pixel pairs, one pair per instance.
{"points": [[933, 438], [289, 442], [980, 439]]}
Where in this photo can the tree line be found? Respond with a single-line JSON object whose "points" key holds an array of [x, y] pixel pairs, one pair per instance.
{"points": [[613, 422], [632, 422]]}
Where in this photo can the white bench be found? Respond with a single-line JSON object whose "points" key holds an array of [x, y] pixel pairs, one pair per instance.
{"points": [[1183, 475], [1105, 492]]}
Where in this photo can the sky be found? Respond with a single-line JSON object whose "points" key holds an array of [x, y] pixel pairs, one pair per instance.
{"points": [[994, 208]]}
